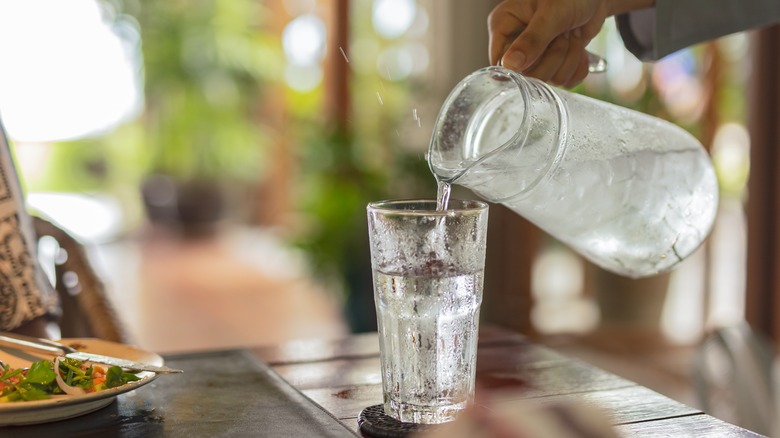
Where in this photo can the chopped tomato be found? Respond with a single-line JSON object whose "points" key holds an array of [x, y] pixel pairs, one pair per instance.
{"points": [[98, 372], [17, 378]]}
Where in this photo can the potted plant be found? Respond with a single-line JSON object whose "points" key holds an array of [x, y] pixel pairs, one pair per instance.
{"points": [[205, 66]]}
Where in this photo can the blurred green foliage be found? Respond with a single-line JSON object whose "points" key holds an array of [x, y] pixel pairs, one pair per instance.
{"points": [[346, 164], [206, 64]]}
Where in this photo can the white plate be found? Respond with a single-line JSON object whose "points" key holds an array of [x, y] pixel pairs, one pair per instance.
{"points": [[60, 407]]}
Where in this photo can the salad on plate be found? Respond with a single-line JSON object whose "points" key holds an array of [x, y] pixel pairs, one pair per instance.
{"points": [[46, 378]]}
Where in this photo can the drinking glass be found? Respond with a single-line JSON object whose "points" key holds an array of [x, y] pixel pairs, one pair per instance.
{"points": [[428, 268]]}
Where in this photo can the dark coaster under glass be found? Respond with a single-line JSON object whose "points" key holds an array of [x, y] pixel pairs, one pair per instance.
{"points": [[375, 423]]}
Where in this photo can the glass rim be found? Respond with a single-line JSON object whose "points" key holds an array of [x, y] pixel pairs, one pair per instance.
{"points": [[395, 206]]}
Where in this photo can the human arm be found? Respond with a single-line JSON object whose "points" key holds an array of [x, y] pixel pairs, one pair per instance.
{"points": [[546, 39], [675, 24]]}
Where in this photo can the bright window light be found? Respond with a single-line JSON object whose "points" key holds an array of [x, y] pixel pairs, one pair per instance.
{"points": [[392, 18], [67, 71], [303, 40], [89, 218]]}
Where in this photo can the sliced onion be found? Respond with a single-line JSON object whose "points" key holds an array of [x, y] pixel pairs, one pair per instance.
{"points": [[70, 390]]}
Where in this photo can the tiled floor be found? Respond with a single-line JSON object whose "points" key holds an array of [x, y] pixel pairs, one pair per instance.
{"points": [[242, 287]]}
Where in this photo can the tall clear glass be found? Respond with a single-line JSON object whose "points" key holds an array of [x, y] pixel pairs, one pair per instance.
{"points": [[428, 267]]}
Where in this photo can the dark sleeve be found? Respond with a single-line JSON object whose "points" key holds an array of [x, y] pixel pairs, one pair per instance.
{"points": [[651, 34]]}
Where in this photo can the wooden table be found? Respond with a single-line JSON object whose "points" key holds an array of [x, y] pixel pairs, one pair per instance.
{"points": [[344, 377], [239, 393]]}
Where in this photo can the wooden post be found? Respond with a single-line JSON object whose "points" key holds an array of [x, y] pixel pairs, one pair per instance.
{"points": [[337, 70], [763, 210], [271, 204]]}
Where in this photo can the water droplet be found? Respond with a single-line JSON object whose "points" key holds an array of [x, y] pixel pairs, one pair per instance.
{"points": [[344, 54]]}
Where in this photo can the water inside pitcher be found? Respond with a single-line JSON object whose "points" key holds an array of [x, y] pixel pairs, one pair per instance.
{"points": [[633, 193]]}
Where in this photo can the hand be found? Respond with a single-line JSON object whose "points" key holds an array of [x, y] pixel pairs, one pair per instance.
{"points": [[546, 39]]}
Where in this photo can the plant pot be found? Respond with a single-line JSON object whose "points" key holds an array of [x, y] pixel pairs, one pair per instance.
{"points": [[193, 207]]}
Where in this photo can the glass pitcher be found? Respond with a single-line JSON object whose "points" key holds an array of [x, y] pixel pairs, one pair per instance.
{"points": [[634, 194]]}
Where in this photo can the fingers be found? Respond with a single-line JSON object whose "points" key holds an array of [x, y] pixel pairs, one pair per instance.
{"points": [[504, 25], [534, 40], [571, 63], [545, 40], [564, 63], [580, 73], [555, 57]]}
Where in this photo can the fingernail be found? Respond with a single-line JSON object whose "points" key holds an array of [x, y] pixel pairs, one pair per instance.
{"points": [[514, 60]]}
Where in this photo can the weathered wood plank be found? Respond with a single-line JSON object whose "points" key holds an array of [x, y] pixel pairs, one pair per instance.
{"points": [[693, 426], [344, 377], [534, 371], [626, 405], [361, 345], [347, 402]]}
